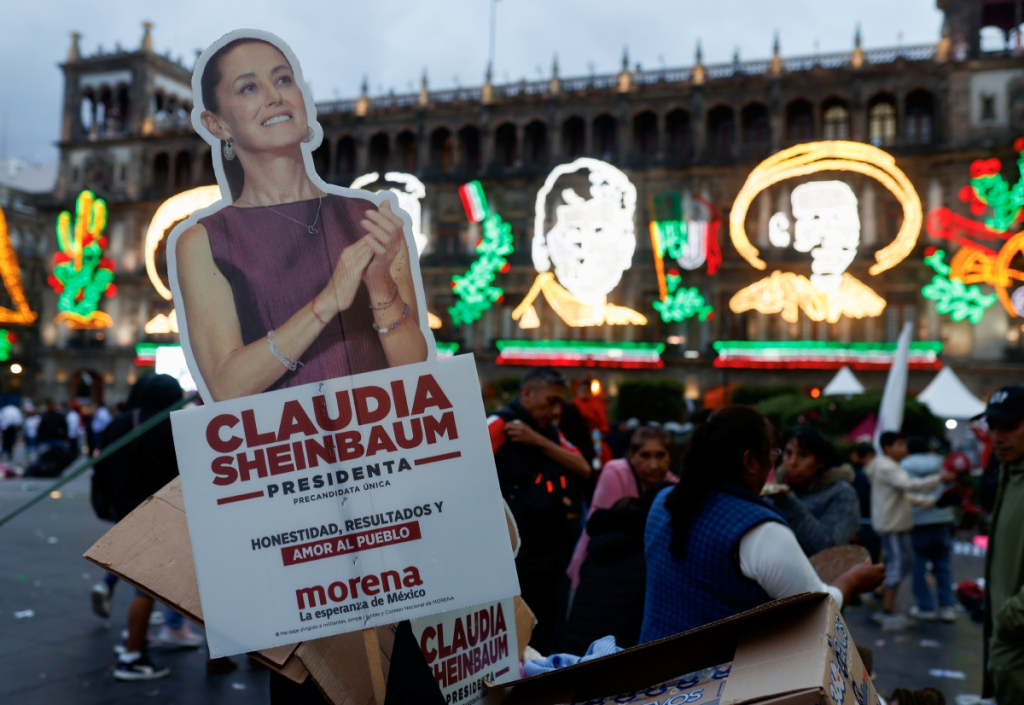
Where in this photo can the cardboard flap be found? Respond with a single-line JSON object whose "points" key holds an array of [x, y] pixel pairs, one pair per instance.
{"points": [[151, 550], [340, 668], [780, 656]]}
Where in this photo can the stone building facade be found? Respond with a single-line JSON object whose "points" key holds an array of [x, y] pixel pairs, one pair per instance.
{"points": [[699, 131]]}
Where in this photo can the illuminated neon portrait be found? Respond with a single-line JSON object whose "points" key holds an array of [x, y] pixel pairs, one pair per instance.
{"points": [[827, 226], [589, 246], [173, 210]]}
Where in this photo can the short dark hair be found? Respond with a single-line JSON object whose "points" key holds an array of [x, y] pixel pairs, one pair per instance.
{"points": [[543, 377], [916, 444], [810, 440], [889, 437], [862, 449]]}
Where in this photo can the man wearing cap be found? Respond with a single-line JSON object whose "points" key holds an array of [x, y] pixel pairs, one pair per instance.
{"points": [[1004, 562]]}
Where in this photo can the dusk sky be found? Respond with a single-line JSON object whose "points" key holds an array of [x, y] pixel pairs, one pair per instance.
{"points": [[393, 42]]}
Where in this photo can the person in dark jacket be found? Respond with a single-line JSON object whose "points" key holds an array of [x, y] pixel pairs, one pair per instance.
{"points": [[610, 597], [535, 463], [821, 506], [136, 471]]}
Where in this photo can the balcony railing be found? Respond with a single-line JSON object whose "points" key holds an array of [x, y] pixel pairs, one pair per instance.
{"points": [[759, 67]]}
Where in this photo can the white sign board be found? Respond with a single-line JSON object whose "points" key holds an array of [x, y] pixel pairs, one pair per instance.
{"points": [[343, 504], [464, 647]]}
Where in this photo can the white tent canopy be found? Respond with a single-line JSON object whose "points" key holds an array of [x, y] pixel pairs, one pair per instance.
{"points": [[948, 398], [845, 383]]}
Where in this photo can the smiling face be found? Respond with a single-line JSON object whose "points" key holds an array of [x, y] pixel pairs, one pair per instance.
{"points": [[260, 107]]}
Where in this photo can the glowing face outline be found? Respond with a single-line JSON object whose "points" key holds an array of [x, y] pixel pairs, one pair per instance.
{"points": [[827, 226], [593, 240], [408, 199]]}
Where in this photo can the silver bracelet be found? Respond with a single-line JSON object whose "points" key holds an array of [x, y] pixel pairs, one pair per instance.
{"points": [[287, 360]]}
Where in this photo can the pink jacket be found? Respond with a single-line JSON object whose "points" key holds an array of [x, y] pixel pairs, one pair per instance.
{"points": [[615, 482]]}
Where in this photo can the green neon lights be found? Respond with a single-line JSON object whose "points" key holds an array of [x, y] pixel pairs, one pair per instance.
{"points": [[989, 188], [681, 303], [7, 341], [81, 274], [952, 296], [474, 289]]}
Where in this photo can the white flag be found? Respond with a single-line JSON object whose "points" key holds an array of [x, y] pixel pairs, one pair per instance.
{"points": [[890, 413]]}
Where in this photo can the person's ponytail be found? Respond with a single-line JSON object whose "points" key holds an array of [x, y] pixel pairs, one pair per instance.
{"points": [[713, 458]]}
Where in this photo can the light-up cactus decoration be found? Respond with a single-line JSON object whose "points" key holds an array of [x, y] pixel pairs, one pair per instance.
{"points": [[81, 274]]}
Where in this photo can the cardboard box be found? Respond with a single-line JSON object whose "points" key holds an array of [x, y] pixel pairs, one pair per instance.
{"points": [[150, 549], [795, 651]]}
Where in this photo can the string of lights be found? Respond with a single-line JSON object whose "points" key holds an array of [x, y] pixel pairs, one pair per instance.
{"points": [[10, 273], [578, 353], [822, 355]]}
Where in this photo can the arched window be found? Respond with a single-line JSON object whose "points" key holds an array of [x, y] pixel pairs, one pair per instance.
{"points": [[645, 135], [183, 170], [322, 159], [574, 137], [721, 132], [835, 117], [882, 121], [161, 170], [800, 121], [920, 118], [120, 109], [469, 149], [441, 149], [380, 150], [87, 111], [535, 143], [757, 132], [505, 147], [345, 159], [606, 137], [680, 139], [406, 150]]}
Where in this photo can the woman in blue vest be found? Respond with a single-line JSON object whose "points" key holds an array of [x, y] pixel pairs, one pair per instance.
{"points": [[714, 548]]}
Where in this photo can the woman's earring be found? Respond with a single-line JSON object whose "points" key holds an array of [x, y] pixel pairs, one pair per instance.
{"points": [[229, 150], [309, 134]]}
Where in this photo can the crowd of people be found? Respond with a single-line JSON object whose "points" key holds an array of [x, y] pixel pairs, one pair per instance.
{"points": [[644, 543], [638, 532], [53, 436]]}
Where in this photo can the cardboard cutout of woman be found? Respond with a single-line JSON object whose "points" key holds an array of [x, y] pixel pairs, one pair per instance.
{"points": [[286, 280]]}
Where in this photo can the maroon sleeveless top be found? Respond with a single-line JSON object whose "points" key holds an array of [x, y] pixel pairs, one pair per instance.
{"points": [[275, 267]]}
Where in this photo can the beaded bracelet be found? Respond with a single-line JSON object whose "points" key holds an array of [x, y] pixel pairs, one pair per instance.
{"points": [[382, 331], [287, 360]]}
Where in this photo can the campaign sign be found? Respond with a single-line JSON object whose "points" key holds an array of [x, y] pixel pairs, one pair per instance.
{"points": [[463, 647], [343, 504]]}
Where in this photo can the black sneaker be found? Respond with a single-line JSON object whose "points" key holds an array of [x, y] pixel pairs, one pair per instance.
{"points": [[141, 669]]}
